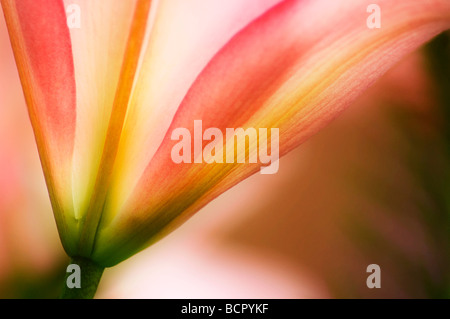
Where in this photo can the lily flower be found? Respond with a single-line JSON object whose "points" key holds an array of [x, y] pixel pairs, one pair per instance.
{"points": [[105, 98]]}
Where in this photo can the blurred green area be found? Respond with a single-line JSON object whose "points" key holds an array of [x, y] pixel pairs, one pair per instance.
{"points": [[26, 283], [376, 189], [423, 149]]}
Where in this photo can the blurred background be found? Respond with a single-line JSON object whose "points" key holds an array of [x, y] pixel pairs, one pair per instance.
{"points": [[371, 188]]}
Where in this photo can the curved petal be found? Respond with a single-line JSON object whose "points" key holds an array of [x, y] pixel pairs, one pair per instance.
{"points": [[295, 69], [184, 37], [42, 48]]}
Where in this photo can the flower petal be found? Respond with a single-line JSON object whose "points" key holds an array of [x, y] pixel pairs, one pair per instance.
{"points": [[41, 43], [134, 43], [184, 37], [98, 51], [295, 69]]}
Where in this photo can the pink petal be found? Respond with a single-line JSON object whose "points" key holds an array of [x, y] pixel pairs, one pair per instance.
{"points": [[295, 69], [185, 35], [43, 52]]}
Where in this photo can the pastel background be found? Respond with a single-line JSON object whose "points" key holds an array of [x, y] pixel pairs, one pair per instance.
{"points": [[370, 188]]}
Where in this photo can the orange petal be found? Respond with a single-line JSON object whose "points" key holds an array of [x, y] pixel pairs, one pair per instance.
{"points": [[41, 42], [185, 36], [295, 69], [135, 41]]}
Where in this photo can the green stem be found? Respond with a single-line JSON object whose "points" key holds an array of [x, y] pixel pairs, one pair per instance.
{"points": [[90, 277]]}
